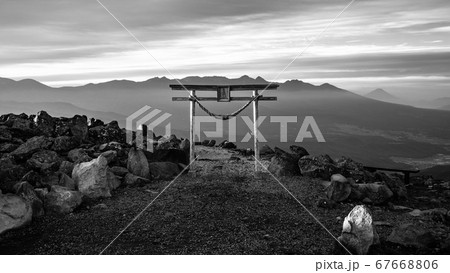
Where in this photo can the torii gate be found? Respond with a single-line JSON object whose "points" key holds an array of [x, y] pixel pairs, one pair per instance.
{"points": [[224, 95]]}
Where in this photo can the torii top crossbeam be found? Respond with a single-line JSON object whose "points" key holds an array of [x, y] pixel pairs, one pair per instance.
{"points": [[224, 95]]}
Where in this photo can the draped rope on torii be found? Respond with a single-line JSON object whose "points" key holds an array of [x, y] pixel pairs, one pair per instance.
{"points": [[224, 95]]}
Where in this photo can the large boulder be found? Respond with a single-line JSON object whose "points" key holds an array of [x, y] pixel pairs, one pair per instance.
{"points": [[358, 231], [339, 189], [45, 160], [31, 146], [137, 163], [163, 170], [26, 191], [413, 235], [93, 178], [322, 166], [15, 212], [61, 200], [375, 192], [283, 165], [44, 123]]}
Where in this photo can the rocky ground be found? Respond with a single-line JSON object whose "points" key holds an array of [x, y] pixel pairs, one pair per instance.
{"points": [[77, 199]]}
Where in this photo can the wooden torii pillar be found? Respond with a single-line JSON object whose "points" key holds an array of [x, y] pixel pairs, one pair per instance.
{"points": [[224, 95]]}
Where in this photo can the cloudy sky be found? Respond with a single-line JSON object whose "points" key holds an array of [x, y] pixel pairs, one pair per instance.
{"points": [[402, 46]]}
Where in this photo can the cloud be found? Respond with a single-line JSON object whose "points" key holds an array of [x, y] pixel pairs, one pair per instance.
{"points": [[78, 41]]}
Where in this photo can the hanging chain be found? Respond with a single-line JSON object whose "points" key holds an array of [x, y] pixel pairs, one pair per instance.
{"points": [[221, 116]]}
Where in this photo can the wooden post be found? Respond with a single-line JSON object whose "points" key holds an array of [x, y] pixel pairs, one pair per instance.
{"points": [[255, 130], [191, 130]]}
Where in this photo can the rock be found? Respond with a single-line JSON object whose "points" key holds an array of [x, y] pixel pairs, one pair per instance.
{"points": [[322, 166], [15, 212], [78, 156], [34, 178], [20, 124], [401, 208], [61, 200], [5, 134], [283, 165], [108, 133], [163, 170], [62, 126], [137, 163], [340, 188], [10, 173], [168, 155], [185, 145], [91, 178], [378, 193], [64, 143], [45, 124], [26, 191], [205, 142], [66, 167], [119, 171], [95, 122], [358, 231], [110, 156], [31, 146], [100, 206], [211, 143], [8, 147], [134, 180], [41, 193], [266, 151], [113, 181], [413, 235], [352, 169], [339, 178], [228, 145], [66, 181], [171, 142], [45, 161], [79, 127], [394, 183], [298, 151], [416, 213]]}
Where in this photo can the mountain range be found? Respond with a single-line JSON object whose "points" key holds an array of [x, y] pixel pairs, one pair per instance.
{"points": [[368, 130]]}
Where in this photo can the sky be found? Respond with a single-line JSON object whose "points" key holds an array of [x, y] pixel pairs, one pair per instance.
{"points": [[401, 46]]}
